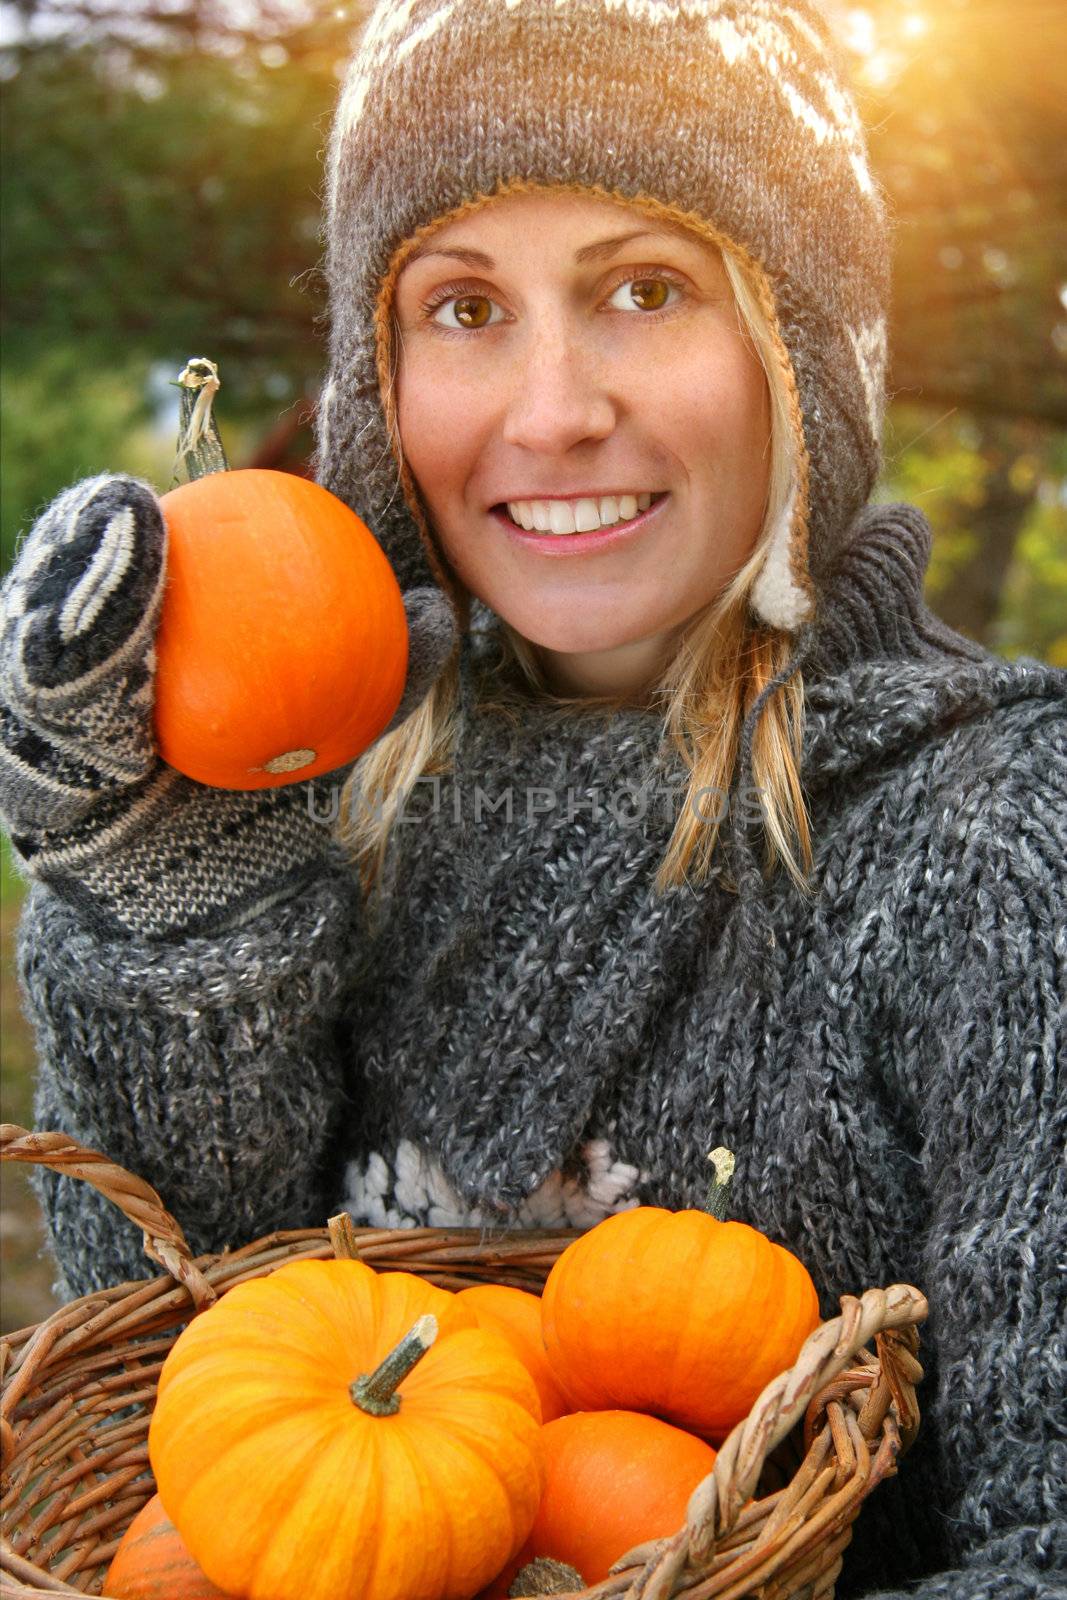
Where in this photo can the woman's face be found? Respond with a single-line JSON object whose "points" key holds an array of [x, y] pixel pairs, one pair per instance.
{"points": [[565, 363]]}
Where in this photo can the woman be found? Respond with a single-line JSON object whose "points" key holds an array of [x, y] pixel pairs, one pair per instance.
{"points": [[563, 972]]}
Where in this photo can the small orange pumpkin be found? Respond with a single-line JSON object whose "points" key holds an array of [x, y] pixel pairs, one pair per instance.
{"points": [[612, 1480], [282, 645], [152, 1563], [677, 1313], [517, 1314], [354, 1452]]}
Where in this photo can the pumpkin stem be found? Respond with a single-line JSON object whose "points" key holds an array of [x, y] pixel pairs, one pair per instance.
{"points": [[343, 1237], [374, 1392], [543, 1575], [199, 444], [723, 1162]]}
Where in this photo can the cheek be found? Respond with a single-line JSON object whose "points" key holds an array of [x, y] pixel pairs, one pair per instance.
{"points": [[441, 420], [439, 453], [732, 434], [732, 399], [418, 418]]}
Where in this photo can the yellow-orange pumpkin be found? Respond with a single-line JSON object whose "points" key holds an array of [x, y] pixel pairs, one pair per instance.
{"points": [[152, 1563], [282, 645], [259, 1411], [675, 1313], [518, 1316], [612, 1480]]}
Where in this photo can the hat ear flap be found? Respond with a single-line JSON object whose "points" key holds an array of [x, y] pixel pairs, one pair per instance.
{"points": [[778, 597]]}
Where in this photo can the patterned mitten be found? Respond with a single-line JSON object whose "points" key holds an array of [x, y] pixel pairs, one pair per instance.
{"points": [[91, 807]]}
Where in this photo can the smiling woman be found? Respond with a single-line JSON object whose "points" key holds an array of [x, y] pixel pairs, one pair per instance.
{"points": [[625, 465], [608, 286], [581, 385]]}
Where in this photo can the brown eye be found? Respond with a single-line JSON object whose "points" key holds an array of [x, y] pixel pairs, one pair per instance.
{"points": [[456, 308], [650, 293], [466, 311], [653, 294]]}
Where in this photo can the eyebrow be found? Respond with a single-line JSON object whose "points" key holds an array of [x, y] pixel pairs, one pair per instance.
{"points": [[599, 251]]}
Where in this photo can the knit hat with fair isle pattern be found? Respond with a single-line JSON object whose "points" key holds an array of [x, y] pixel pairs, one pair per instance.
{"points": [[728, 116]]}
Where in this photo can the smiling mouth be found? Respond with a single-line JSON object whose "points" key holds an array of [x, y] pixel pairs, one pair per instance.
{"points": [[502, 511]]}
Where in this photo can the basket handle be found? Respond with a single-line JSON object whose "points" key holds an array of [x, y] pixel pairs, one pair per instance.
{"points": [[887, 1315], [164, 1241]]}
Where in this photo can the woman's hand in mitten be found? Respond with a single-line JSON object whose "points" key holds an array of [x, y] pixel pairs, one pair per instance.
{"points": [[92, 809]]}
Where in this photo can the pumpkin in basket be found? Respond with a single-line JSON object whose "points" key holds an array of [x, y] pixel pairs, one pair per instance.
{"points": [[365, 1437], [152, 1563], [613, 1479], [678, 1313], [517, 1314]]}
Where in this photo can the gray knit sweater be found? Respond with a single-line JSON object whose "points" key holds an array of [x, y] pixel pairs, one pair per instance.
{"points": [[524, 1033]]}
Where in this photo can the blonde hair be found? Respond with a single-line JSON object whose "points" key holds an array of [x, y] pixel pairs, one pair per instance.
{"points": [[724, 658]]}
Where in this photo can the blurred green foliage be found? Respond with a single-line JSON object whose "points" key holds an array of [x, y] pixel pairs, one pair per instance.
{"points": [[62, 418], [157, 203], [162, 213], [967, 117], [995, 492]]}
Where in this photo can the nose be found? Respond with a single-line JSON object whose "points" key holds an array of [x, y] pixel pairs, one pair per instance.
{"points": [[557, 395]]}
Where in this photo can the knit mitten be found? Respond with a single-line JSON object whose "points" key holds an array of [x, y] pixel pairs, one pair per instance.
{"points": [[91, 807]]}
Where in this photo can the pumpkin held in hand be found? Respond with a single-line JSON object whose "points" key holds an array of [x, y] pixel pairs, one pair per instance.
{"points": [[517, 1314], [282, 645], [152, 1563], [675, 1313], [613, 1479], [363, 1434]]}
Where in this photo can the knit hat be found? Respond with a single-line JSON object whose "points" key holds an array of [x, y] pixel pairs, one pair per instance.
{"points": [[728, 116]]}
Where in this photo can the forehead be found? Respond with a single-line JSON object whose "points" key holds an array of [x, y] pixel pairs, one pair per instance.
{"points": [[601, 226]]}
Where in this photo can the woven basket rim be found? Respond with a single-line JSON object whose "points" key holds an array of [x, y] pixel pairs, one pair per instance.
{"points": [[856, 1409]]}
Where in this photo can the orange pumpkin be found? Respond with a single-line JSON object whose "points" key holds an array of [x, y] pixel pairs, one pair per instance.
{"points": [[517, 1314], [152, 1563], [612, 1480], [343, 1473], [282, 645], [675, 1313]]}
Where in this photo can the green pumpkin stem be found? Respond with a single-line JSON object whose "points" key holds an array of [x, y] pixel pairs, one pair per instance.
{"points": [[723, 1162], [200, 449], [375, 1392]]}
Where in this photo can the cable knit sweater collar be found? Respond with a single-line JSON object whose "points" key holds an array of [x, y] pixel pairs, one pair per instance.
{"points": [[541, 967], [881, 674]]}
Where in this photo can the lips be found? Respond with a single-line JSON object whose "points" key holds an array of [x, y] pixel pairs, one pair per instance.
{"points": [[503, 509], [575, 544]]}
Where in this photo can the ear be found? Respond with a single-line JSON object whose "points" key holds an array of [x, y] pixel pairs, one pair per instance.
{"points": [[432, 637]]}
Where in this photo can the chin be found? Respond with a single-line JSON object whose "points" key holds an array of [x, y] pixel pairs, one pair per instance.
{"points": [[578, 636], [573, 644]]}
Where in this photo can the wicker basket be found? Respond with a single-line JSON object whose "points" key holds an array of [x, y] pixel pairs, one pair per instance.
{"points": [[78, 1391]]}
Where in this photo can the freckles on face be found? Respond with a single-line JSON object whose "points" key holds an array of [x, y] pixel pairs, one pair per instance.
{"points": [[543, 376]]}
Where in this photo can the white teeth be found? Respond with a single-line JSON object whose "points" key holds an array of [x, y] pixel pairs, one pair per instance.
{"points": [[586, 516], [561, 517]]}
